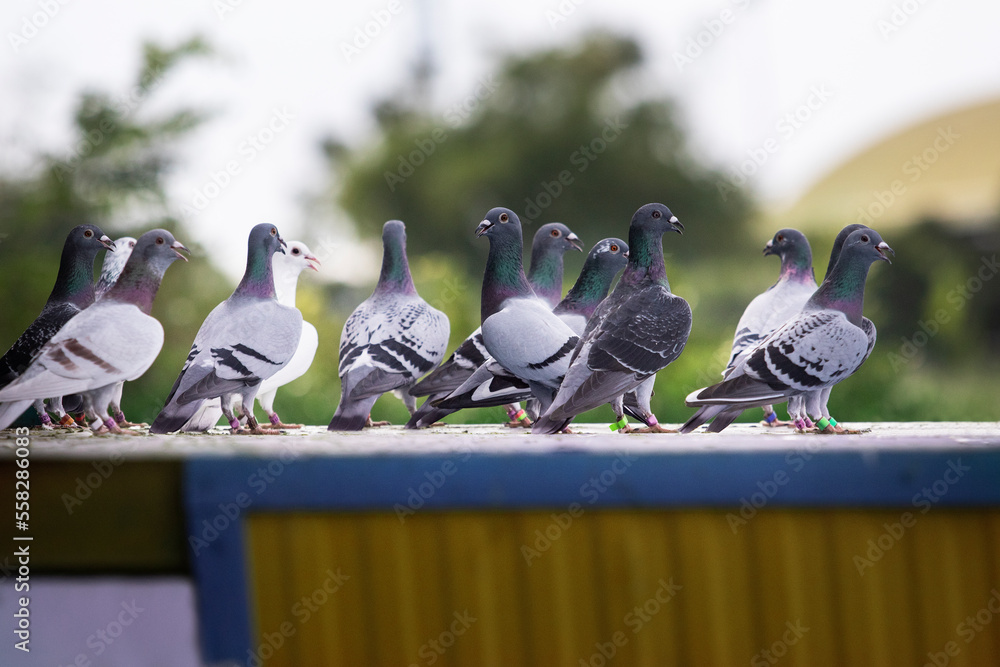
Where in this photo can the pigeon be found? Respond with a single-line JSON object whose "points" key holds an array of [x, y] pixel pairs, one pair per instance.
{"points": [[114, 263], [244, 340], [520, 331], [798, 403], [545, 275], [287, 268], [785, 298], [491, 384], [822, 345], [73, 291], [113, 340], [635, 332], [389, 341]]}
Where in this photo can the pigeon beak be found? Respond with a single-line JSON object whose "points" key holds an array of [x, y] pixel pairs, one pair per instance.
{"points": [[483, 227], [625, 254], [313, 262], [177, 247], [676, 224], [882, 248], [769, 248], [107, 243], [282, 245], [575, 241]]}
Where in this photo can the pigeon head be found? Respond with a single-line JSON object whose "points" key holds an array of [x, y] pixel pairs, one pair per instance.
{"points": [[258, 279], [603, 263], [395, 275], [75, 281], [557, 237], [865, 245], [89, 237], [550, 243], [792, 247], [153, 253], [645, 242], [838, 245], [611, 252], [656, 218], [844, 287], [500, 223], [287, 268]]}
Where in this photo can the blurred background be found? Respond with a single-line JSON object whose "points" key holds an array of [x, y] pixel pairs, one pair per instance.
{"points": [[326, 120]]}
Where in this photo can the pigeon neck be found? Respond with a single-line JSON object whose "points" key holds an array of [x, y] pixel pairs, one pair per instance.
{"points": [[258, 279], [395, 276], [546, 274], [137, 285], [588, 292], [504, 278], [645, 258], [286, 281], [75, 282], [796, 266], [843, 290]]}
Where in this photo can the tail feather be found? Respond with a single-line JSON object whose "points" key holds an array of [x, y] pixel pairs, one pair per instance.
{"points": [[546, 425], [174, 416], [10, 411], [351, 415], [723, 420], [703, 415], [427, 415]]}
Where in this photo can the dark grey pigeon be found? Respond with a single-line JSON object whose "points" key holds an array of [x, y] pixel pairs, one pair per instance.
{"points": [[782, 300], [389, 341], [638, 330], [73, 291], [821, 346], [549, 245], [244, 340], [113, 340]]}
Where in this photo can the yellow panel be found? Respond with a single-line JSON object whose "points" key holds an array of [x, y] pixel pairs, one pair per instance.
{"points": [[546, 588]]}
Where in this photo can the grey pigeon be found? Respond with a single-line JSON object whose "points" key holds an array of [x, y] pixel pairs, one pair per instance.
{"points": [[287, 268], [635, 332], [821, 346], [520, 331], [545, 276], [785, 298], [73, 291], [244, 340], [113, 340], [389, 341]]}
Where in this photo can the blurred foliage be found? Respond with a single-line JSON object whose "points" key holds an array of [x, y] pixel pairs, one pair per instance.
{"points": [[507, 144]]}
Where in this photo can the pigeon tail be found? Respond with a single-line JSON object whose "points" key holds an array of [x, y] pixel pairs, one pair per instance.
{"points": [[352, 415], [10, 411]]}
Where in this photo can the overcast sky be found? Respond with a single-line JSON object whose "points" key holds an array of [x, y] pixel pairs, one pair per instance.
{"points": [[852, 71]]}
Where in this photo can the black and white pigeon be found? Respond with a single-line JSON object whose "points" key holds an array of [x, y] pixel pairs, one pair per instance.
{"points": [[545, 275], [389, 341], [244, 340], [635, 332], [287, 267], [113, 340], [799, 403], [822, 345], [782, 300], [492, 384], [73, 291]]}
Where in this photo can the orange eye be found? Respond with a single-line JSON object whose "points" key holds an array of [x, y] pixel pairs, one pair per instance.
{"points": [[555, 233], [88, 233], [614, 247], [504, 217]]}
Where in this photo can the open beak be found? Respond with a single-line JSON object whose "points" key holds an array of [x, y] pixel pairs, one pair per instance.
{"points": [[676, 224], [177, 247], [313, 262], [107, 243], [883, 248], [575, 241], [282, 245], [483, 227], [769, 248]]}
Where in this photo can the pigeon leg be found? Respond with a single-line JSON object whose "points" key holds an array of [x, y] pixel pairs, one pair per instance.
{"points": [[43, 415], [654, 426], [256, 429], [771, 418], [226, 403], [621, 421], [518, 417], [115, 409], [369, 422]]}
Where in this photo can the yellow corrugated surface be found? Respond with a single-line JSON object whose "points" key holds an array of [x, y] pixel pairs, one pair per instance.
{"points": [[367, 589]]}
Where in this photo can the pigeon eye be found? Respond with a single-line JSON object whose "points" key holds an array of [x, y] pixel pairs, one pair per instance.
{"points": [[555, 233], [614, 247], [88, 234], [781, 237], [159, 240], [274, 232], [504, 217], [864, 238], [131, 244], [657, 214], [295, 251]]}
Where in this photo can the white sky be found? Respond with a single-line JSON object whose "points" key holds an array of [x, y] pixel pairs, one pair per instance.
{"points": [[761, 66]]}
